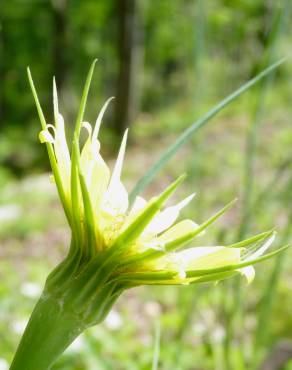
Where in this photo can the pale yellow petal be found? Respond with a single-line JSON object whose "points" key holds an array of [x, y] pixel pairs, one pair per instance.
{"points": [[248, 272], [209, 257], [99, 179], [116, 175], [178, 230], [87, 157], [58, 139], [167, 217], [62, 153], [46, 137], [99, 118], [139, 204], [94, 168], [88, 128], [262, 249], [115, 200]]}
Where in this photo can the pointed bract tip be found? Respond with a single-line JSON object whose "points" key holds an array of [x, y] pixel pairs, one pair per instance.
{"points": [[231, 204], [100, 116], [269, 233], [272, 235], [93, 63], [182, 177], [28, 73], [170, 189], [178, 181]]}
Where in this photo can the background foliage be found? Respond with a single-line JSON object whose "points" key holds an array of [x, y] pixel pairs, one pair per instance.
{"points": [[172, 62]]}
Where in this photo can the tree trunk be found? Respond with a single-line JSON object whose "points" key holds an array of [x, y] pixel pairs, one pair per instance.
{"points": [[59, 25], [130, 58], [2, 71]]}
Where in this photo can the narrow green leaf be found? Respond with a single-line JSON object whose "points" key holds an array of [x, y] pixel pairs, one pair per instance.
{"points": [[84, 99], [36, 99], [75, 192], [75, 181], [50, 150], [89, 217], [186, 135], [253, 239]]}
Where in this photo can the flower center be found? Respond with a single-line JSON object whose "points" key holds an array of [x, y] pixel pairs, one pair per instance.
{"points": [[112, 228]]}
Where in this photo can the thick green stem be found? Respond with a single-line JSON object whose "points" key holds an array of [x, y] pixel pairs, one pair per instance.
{"points": [[50, 331], [76, 296]]}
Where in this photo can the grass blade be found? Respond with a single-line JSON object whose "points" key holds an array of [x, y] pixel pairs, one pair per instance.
{"points": [[156, 347], [187, 134]]}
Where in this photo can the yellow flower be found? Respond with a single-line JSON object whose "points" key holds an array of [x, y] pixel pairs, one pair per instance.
{"points": [[117, 245], [138, 244]]}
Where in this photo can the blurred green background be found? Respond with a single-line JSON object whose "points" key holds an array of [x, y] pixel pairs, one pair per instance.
{"points": [[166, 62]]}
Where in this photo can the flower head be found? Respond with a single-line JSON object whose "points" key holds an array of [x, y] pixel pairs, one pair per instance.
{"points": [[139, 243]]}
